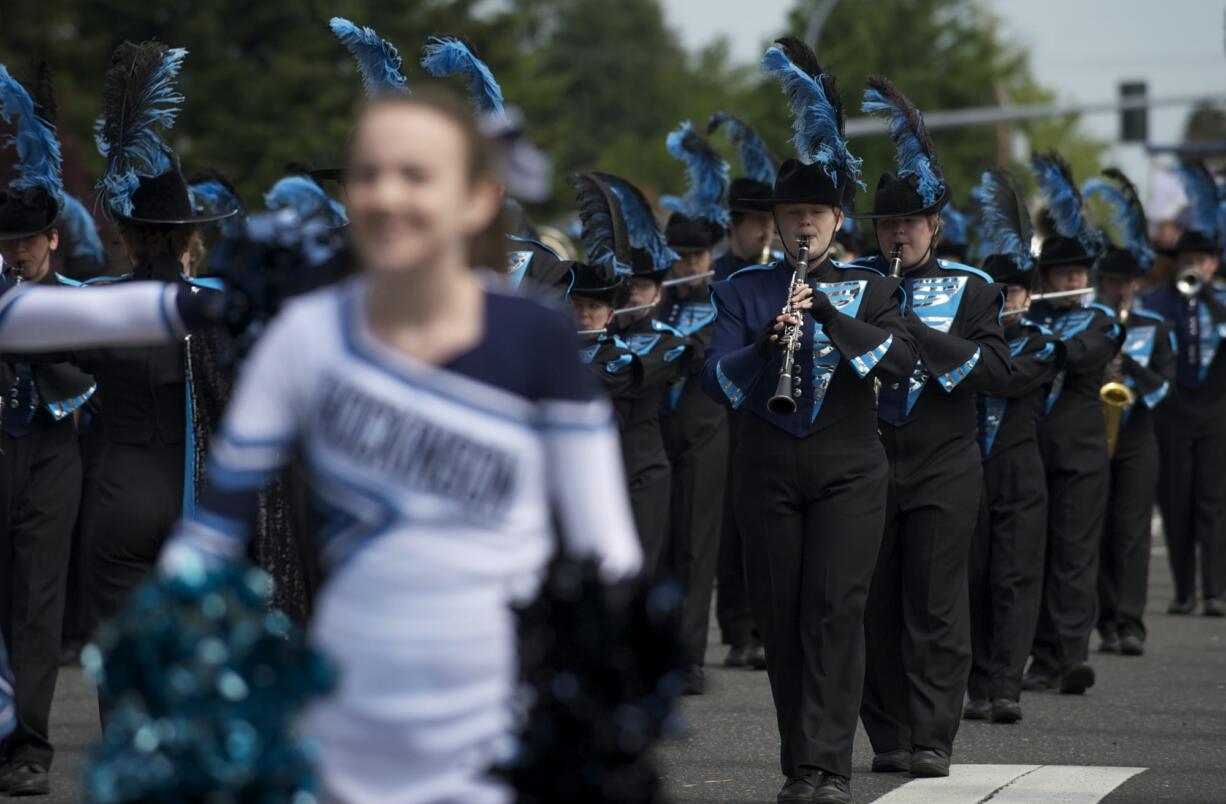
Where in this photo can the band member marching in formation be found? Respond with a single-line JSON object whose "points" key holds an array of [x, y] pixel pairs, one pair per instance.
{"points": [[1140, 377], [1191, 428], [694, 425], [1072, 439], [662, 353], [751, 229], [1006, 561], [918, 625], [810, 471]]}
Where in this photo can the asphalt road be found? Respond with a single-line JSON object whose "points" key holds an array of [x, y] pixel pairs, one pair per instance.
{"points": [[1163, 713]]}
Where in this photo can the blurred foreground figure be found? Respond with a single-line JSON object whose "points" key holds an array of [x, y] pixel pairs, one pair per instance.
{"points": [[442, 424]]}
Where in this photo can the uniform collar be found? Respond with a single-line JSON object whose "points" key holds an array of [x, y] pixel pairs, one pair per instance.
{"points": [[926, 268]]}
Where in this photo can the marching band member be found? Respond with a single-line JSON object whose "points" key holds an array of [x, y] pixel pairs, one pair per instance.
{"points": [[1072, 440], [1191, 429], [808, 482], [440, 456], [751, 229], [1146, 366], [1006, 560], [695, 427], [917, 626]]}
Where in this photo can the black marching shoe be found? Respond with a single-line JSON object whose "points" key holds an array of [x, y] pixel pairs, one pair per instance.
{"points": [[929, 763], [695, 682], [757, 656], [1132, 645], [898, 761], [25, 779], [738, 656], [976, 709], [1006, 711], [1077, 679], [1110, 643], [797, 791], [1181, 605], [832, 789], [1214, 607], [1038, 682]]}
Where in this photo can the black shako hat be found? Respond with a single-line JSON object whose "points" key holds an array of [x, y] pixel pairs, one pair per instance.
{"points": [[1194, 241], [163, 200], [1003, 268], [25, 213], [595, 282], [1119, 262], [749, 195], [1060, 250], [798, 183], [896, 197], [691, 234]]}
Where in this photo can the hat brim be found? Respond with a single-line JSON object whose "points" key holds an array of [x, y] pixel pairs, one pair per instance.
{"points": [[920, 212], [1087, 260], [194, 219], [20, 235]]}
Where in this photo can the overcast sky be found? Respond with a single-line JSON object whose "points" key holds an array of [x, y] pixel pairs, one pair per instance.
{"points": [[1081, 49]]}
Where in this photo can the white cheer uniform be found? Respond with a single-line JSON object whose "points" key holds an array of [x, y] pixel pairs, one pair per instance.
{"points": [[438, 486]]}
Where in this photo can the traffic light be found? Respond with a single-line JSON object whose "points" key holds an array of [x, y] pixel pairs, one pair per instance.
{"points": [[1134, 123]]}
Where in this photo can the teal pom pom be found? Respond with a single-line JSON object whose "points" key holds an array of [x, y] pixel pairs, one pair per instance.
{"points": [[203, 681]]}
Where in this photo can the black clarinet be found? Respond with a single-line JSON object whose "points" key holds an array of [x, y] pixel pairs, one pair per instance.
{"points": [[783, 403]]}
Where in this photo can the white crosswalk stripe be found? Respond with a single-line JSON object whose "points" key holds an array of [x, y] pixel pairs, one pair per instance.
{"points": [[1014, 784]]}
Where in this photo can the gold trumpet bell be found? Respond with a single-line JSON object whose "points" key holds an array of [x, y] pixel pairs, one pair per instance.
{"points": [[1116, 398]]}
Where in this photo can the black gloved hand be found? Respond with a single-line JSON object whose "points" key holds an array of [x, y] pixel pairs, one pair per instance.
{"points": [[764, 345], [822, 310]]}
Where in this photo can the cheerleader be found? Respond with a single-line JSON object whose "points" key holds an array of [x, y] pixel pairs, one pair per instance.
{"points": [[442, 423]]}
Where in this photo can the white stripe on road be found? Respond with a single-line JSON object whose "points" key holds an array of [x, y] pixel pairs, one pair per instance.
{"points": [[966, 784], [1014, 784], [1068, 784]]}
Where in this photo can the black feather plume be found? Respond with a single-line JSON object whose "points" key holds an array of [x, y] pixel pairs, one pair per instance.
{"points": [[1006, 222], [605, 236]]}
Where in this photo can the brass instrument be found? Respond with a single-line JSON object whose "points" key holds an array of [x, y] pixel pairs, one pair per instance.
{"points": [[1116, 398], [1189, 283], [896, 262], [783, 403]]}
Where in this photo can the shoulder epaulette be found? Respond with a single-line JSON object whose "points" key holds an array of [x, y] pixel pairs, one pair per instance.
{"points": [[660, 326], [97, 280], [1026, 322], [1146, 313], [766, 266], [1102, 308], [206, 282], [950, 265], [857, 265]]}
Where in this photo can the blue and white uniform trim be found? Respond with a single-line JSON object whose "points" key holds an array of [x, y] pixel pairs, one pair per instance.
{"points": [[735, 395], [951, 379], [65, 407], [866, 362]]}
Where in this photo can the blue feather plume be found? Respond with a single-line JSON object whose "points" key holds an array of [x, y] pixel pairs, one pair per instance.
{"points": [[707, 176], [377, 59], [138, 99], [1005, 222], [817, 111], [603, 232], [1056, 184], [757, 162], [82, 231], [1202, 193], [1127, 213], [641, 228], [212, 194], [953, 226], [913, 149], [447, 55], [38, 150], [306, 198]]}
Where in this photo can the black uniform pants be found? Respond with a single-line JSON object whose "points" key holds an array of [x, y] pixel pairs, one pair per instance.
{"points": [[1006, 571], [918, 623], [810, 513], [138, 499], [1077, 480], [79, 619], [1123, 568], [732, 595], [40, 487], [1192, 493], [696, 514]]}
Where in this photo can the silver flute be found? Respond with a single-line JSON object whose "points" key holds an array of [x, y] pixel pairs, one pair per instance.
{"points": [[783, 402]]}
